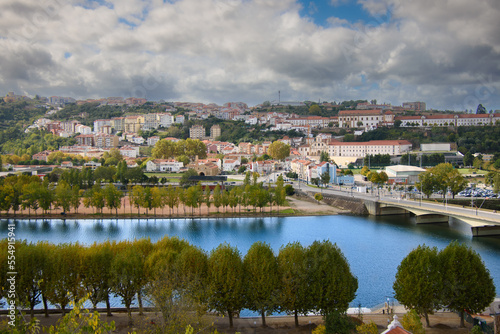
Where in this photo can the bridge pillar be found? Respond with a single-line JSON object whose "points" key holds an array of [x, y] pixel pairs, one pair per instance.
{"points": [[485, 231], [432, 218]]}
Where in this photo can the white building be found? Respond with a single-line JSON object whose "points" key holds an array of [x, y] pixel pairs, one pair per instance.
{"points": [[164, 165], [129, 151], [153, 140], [361, 149]]}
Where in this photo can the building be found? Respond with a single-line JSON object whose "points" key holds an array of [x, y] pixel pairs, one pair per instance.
{"points": [[151, 121], [164, 165], [133, 123], [215, 132], [197, 132], [362, 149], [85, 140], [449, 120], [368, 119], [414, 106], [105, 140], [100, 123], [118, 124], [151, 141], [403, 174]]}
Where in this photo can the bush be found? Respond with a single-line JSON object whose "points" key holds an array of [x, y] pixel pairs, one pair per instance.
{"points": [[289, 190], [369, 328], [338, 323]]}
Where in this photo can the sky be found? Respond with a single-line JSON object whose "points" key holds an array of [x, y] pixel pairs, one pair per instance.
{"points": [[445, 53]]}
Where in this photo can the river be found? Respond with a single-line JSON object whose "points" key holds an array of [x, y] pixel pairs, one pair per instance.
{"points": [[374, 247]]}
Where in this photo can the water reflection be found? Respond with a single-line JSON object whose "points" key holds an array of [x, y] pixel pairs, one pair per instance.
{"points": [[374, 247]]}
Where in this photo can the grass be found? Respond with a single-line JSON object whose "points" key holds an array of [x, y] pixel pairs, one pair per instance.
{"points": [[167, 175], [471, 171]]}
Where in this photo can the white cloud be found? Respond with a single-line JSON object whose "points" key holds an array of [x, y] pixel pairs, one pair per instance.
{"points": [[222, 50]]}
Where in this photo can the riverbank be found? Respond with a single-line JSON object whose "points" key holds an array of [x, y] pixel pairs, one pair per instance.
{"points": [[441, 323], [296, 207]]}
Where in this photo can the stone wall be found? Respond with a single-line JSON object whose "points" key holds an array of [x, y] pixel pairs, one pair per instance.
{"points": [[354, 205]]}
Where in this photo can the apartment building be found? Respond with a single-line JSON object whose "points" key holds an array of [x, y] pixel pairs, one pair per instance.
{"points": [[197, 132], [215, 131]]}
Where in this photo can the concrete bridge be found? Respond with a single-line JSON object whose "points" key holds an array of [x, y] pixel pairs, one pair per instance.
{"points": [[481, 223]]}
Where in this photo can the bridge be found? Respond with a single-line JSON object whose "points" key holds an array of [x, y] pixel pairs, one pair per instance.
{"points": [[482, 223]]}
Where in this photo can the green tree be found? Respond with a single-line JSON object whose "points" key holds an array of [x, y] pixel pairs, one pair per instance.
{"points": [[96, 266], [467, 283], [217, 197], [293, 280], [418, 281], [314, 109], [262, 279], [30, 261], [126, 275], [184, 181], [411, 322], [225, 276], [331, 285], [318, 197], [324, 156], [325, 177], [468, 159], [113, 197], [64, 276], [136, 197], [279, 193], [279, 150]]}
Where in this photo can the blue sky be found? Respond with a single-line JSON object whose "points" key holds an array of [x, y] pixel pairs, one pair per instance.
{"points": [[320, 11], [444, 53]]}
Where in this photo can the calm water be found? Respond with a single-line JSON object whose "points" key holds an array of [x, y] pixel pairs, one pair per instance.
{"points": [[373, 247]]}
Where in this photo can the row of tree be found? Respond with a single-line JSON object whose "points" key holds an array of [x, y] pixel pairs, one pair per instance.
{"points": [[454, 278], [176, 277], [28, 192]]}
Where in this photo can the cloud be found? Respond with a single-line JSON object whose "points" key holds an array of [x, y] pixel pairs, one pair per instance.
{"points": [[445, 53]]}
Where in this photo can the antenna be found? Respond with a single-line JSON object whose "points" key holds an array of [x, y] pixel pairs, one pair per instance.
{"points": [[279, 97]]}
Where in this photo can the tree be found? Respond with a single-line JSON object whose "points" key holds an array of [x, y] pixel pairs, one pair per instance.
{"points": [[126, 274], [411, 322], [31, 262], [468, 159], [325, 177], [64, 275], [279, 193], [279, 150], [225, 277], [324, 156], [314, 109], [136, 197], [331, 285], [293, 280], [185, 181], [217, 197], [96, 267], [418, 281], [467, 283], [318, 197], [262, 281], [448, 178], [113, 197], [480, 109]]}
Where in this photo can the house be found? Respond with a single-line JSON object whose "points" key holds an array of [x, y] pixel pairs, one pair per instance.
{"points": [[129, 151], [92, 164], [395, 327], [230, 165], [66, 164], [205, 168], [164, 165]]}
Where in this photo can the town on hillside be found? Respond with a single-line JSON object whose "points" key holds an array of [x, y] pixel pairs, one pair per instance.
{"points": [[319, 137]]}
